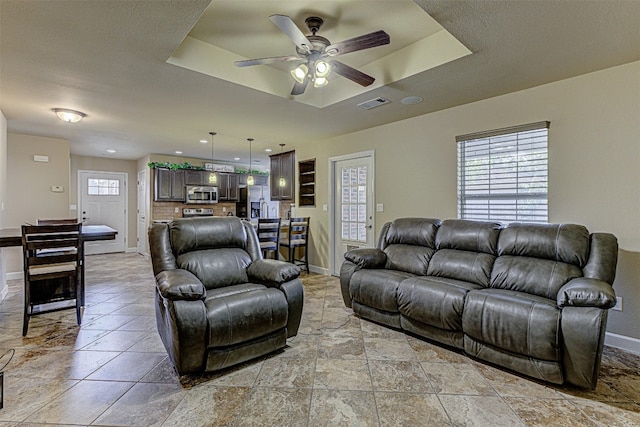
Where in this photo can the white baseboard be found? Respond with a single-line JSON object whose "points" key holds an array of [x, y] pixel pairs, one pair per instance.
{"points": [[319, 270], [4, 291], [623, 342], [12, 275]]}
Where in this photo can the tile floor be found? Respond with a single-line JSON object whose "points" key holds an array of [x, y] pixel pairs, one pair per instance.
{"points": [[339, 370]]}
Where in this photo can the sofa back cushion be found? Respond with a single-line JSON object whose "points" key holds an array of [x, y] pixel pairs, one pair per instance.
{"points": [[409, 244], [466, 251], [539, 258]]}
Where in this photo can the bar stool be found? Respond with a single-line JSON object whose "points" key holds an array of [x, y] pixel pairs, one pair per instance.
{"points": [[297, 238], [269, 236]]}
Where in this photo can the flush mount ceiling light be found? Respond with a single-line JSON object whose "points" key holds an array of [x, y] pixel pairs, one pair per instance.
{"points": [[411, 100], [317, 54], [69, 116]]}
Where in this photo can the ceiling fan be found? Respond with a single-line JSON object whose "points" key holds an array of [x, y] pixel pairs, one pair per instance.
{"points": [[317, 54]]}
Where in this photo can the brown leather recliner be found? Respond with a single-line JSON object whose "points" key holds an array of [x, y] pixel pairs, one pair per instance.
{"points": [[218, 303]]}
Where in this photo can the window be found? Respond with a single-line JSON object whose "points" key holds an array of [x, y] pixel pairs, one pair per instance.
{"points": [[502, 174], [354, 203], [103, 187]]}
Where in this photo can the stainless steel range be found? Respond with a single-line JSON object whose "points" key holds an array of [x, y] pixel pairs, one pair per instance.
{"points": [[191, 212]]}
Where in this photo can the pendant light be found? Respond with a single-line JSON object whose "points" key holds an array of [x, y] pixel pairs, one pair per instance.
{"points": [[250, 179], [281, 182], [213, 176]]}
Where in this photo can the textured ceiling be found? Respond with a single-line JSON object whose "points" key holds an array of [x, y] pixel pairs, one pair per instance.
{"points": [[109, 60]]}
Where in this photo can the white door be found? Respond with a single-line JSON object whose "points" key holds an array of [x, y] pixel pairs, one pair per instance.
{"points": [[142, 212], [352, 206], [102, 200]]}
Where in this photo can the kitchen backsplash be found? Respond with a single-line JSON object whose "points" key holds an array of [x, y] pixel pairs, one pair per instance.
{"points": [[163, 211]]}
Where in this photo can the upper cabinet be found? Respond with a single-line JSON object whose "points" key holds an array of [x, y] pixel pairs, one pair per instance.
{"points": [[228, 187], [198, 177], [169, 185], [307, 182], [282, 166]]}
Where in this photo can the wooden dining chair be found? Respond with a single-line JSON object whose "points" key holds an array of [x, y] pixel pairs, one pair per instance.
{"points": [[59, 221], [269, 236], [52, 257], [297, 238]]}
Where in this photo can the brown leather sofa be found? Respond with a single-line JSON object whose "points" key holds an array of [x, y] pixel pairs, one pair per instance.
{"points": [[218, 303], [531, 298]]}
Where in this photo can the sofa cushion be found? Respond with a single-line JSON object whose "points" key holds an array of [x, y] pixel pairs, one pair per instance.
{"points": [[239, 317], [377, 288], [474, 267], [523, 324], [532, 275], [568, 243], [409, 244], [217, 268], [466, 235], [408, 258], [434, 301]]}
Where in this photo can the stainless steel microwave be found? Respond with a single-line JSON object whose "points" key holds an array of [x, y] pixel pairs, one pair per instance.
{"points": [[201, 194]]}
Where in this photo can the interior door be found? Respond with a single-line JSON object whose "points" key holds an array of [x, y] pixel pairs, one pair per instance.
{"points": [[142, 212], [102, 199], [353, 197]]}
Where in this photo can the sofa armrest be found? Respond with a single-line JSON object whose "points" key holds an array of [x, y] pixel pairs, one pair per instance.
{"points": [[272, 272], [585, 292], [367, 258], [180, 284]]}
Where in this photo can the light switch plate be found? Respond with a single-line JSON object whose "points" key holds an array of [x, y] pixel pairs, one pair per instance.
{"points": [[325, 208], [380, 207], [57, 188]]}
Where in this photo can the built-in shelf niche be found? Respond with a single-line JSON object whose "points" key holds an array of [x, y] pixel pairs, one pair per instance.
{"points": [[307, 183]]}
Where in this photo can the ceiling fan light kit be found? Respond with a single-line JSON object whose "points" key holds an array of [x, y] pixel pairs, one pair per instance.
{"points": [[317, 54]]}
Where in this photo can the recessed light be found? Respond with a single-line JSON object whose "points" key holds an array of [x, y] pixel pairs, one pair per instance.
{"points": [[411, 100], [236, 158], [111, 150], [203, 141], [178, 152], [268, 150]]}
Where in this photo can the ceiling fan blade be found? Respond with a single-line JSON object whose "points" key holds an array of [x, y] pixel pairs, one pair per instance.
{"points": [[292, 31], [351, 73], [366, 41], [299, 88], [270, 60]]}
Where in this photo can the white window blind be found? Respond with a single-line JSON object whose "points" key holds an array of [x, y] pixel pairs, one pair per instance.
{"points": [[502, 174]]}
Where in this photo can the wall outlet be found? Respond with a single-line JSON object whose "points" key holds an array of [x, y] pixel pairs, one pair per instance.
{"points": [[177, 210], [379, 207], [618, 306], [224, 209]]}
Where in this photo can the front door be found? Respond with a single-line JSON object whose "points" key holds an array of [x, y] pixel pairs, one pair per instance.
{"points": [[352, 207], [102, 200]]}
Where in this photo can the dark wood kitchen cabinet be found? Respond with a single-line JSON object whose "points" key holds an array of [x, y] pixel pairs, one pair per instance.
{"points": [[228, 187], [169, 185], [282, 166], [199, 177]]}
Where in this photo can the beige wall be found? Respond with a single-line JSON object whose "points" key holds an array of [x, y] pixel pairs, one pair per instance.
{"points": [[594, 164], [3, 197], [101, 164], [29, 194]]}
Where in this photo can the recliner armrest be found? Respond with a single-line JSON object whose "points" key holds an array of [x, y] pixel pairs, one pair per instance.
{"points": [[272, 272], [180, 285], [367, 258], [585, 292]]}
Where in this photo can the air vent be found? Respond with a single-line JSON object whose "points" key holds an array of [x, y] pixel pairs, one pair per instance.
{"points": [[373, 103]]}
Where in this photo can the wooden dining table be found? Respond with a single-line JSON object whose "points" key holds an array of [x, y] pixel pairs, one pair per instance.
{"points": [[90, 233]]}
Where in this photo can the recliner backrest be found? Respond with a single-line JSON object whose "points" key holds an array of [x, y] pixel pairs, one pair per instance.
{"points": [[409, 244], [216, 250], [466, 250], [540, 258]]}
